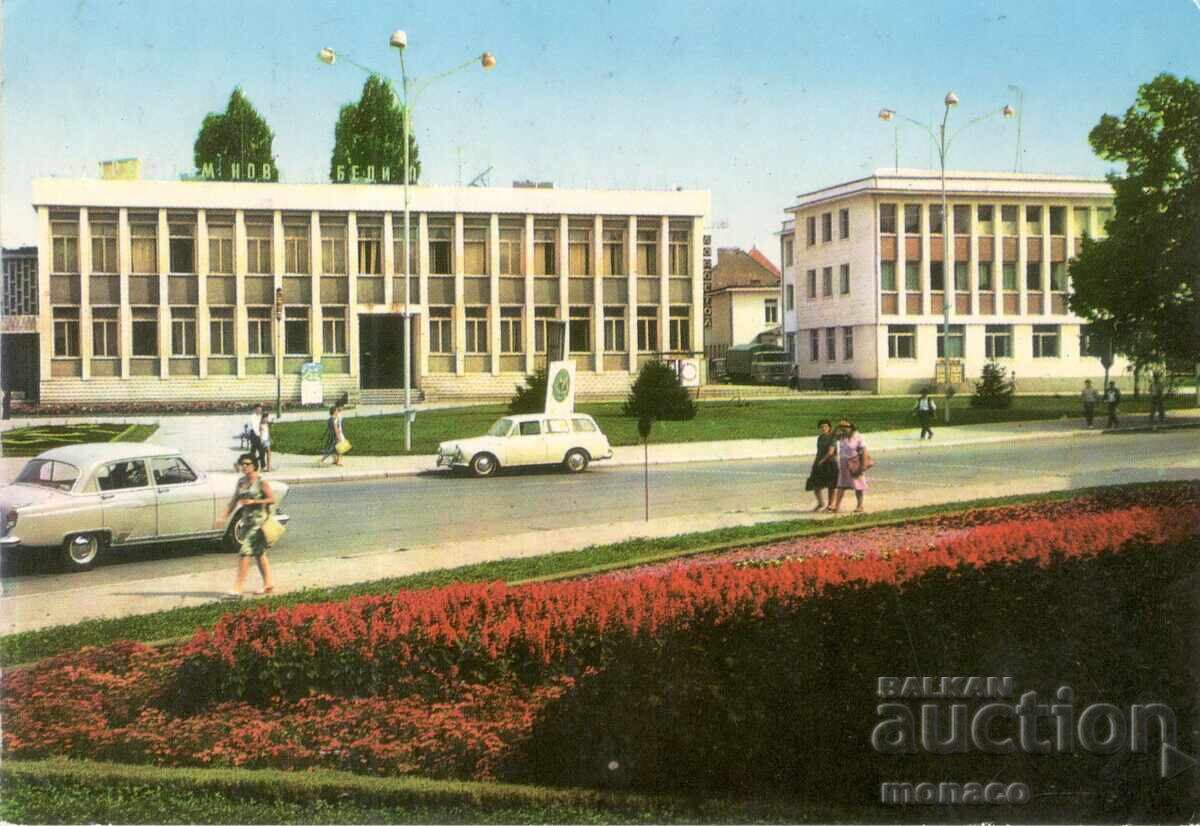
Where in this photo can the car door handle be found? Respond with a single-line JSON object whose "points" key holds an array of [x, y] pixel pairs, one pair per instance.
{"points": [[108, 496]]}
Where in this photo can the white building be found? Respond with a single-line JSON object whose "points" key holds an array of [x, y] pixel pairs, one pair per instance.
{"points": [[744, 300], [205, 291], [867, 275]]}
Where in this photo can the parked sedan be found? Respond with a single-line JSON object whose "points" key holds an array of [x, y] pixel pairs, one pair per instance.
{"points": [[571, 440], [85, 499]]}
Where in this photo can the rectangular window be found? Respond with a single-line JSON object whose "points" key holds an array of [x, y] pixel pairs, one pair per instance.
{"points": [[790, 293], [183, 247], [848, 343], [962, 277], [957, 337], [812, 284], [183, 331], [647, 330], [681, 250], [398, 246], [789, 252], [295, 331], [647, 243], [985, 276], [475, 251], [1103, 214], [831, 343], [814, 345], [614, 329], [1091, 341], [887, 219], [258, 248], [579, 329], [370, 249], [937, 276], [887, 276], [441, 330], [295, 248], [936, 224], [962, 219], [477, 329], [912, 276], [827, 281], [681, 328], [997, 341], [64, 236], [545, 250], [66, 332], [104, 247], [843, 223], [220, 331], [441, 249], [542, 315], [1033, 276], [985, 215], [771, 311], [1033, 219], [902, 341], [612, 260], [511, 240], [511, 340], [810, 227], [1045, 341], [220, 249], [1008, 272], [333, 331], [333, 249], [912, 219], [145, 331], [1008, 219], [143, 239], [1083, 224], [844, 279], [1058, 220], [105, 333], [579, 249], [258, 331], [1058, 276], [826, 227]]}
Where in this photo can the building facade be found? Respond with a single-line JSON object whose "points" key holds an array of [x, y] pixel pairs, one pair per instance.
{"points": [[19, 346], [209, 291], [744, 300], [869, 275]]}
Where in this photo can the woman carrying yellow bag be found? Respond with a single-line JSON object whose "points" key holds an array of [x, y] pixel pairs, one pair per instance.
{"points": [[336, 443]]}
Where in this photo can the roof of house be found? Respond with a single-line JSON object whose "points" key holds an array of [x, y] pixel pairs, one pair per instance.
{"points": [[738, 268]]}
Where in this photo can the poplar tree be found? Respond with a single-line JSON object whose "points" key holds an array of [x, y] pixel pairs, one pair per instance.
{"points": [[368, 142], [236, 144]]}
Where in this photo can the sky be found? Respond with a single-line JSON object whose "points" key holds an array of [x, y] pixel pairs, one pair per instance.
{"points": [[754, 101]]}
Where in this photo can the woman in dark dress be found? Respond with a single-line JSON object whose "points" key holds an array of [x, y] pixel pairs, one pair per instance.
{"points": [[824, 473]]}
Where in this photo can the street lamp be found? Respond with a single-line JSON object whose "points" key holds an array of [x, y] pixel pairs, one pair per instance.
{"points": [[278, 352], [942, 144], [399, 41]]}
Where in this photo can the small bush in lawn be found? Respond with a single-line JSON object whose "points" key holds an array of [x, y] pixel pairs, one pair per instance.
{"points": [[994, 390], [531, 396], [659, 394]]}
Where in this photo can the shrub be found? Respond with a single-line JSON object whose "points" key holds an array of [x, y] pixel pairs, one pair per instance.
{"points": [[993, 390], [658, 393], [531, 396]]}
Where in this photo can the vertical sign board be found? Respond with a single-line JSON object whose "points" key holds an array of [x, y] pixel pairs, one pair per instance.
{"points": [[560, 388], [707, 281]]}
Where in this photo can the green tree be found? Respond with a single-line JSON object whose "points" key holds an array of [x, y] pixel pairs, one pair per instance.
{"points": [[235, 145], [531, 396], [994, 389], [1141, 283], [368, 143], [658, 393]]}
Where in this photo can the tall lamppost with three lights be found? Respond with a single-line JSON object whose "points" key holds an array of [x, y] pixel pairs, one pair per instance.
{"points": [[941, 142], [399, 41]]}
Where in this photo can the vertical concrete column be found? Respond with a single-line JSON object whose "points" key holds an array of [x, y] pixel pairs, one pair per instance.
{"points": [[1045, 268], [85, 298], [45, 317], [949, 259], [392, 267], [901, 282], [277, 268], [203, 264], [125, 314], [527, 251], [696, 266], [926, 250], [664, 283], [460, 320], [352, 345], [422, 225], [240, 323], [597, 354], [564, 264], [314, 264], [1022, 261], [631, 303], [163, 248], [493, 266], [998, 258], [973, 265]]}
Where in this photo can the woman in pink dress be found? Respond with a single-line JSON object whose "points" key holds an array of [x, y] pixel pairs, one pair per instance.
{"points": [[850, 446]]}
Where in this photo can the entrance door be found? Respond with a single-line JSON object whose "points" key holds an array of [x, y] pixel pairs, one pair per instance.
{"points": [[381, 351], [19, 363]]}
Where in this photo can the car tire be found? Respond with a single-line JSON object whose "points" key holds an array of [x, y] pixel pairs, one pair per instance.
{"points": [[80, 551], [232, 541], [576, 461], [483, 464]]}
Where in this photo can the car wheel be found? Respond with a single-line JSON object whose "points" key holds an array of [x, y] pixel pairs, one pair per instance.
{"points": [[80, 552], [236, 534], [576, 461], [484, 464]]}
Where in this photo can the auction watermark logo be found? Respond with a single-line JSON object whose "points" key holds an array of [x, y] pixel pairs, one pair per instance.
{"points": [[961, 715]]}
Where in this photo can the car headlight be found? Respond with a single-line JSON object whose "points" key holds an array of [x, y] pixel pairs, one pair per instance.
{"points": [[10, 521]]}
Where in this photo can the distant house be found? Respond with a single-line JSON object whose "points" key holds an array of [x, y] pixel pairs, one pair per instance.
{"points": [[745, 300]]}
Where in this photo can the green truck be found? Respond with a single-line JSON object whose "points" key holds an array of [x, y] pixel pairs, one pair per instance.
{"points": [[758, 364]]}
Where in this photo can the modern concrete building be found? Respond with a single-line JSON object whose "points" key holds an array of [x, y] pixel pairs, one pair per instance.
{"points": [[206, 291], [868, 274], [18, 322], [744, 300]]}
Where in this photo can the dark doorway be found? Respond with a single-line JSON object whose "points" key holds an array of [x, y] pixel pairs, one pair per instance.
{"points": [[19, 365], [381, 352]]}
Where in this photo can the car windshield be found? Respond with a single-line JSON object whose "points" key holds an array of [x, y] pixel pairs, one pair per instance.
{"points": [[772, 358], [49, 474], [500, 428]]}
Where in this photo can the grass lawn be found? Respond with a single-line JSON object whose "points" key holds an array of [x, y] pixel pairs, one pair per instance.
{"points": [[716, 421], [30, 441]]}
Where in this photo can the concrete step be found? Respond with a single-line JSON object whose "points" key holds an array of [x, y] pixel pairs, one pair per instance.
{"points": [[388, 395]]}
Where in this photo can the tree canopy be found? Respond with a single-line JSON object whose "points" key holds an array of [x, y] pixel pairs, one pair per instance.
{"points": [[1141, 283], [368, 140], [235, 145]]}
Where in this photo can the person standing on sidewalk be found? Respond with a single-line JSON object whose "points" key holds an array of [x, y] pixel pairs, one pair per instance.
{"points": [[824, 474], [250, 429], [255, 498], [333, 435], [1158, 398], [925, 409], [1112, 398], [1089, 399], [264, 438]]}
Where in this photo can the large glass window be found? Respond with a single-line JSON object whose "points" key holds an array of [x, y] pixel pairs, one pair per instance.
{"points": [[183, 247], [183, 331], [812, 284], [902, 341], [985, 216], [1058, 220], [545, 250], [1045, 341], [1058, 276], [912, 219], [937, 276], [220, 331], [770, 310], [64, 238], [790, 294], [258, 331], [826, 227], [475, 250], [333, 248], [844, 279], [511, 241], [1008, 272], [145, 331], [1033, 219], [997, 341], [814, 345], [831, 343], [580, 329], [541, 317], [144, 246], [647, 331], [613, 261], [962, 219], [66, 332], [1033, 276], [441, 330], [843, 223], [912, 276], [579, 250], [258, 248], [681, 327], [985, 276], [827, 281], [887, 276], [847, 343], [936, 223], [681, 250], [295, 330], [295, 247], [104, 247], [220, 249], [106, 338], [1008, 219], [887, 219], [962, 276], [477, 330], [614, 329], [647, 240], [510, 330], [441, 249], [956, 348], [1083, 224], [370, 249], [333, 331], [810, 226], [398, 246]]}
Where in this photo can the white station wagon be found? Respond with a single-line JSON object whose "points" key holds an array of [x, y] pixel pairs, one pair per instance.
{"points": [[572, 440], [84, 499]]}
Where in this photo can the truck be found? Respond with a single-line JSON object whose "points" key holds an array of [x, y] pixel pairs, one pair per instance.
{"points": [[758, 364]]}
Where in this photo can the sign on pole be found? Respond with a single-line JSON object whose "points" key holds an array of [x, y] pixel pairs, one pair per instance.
{"points": [[560, 388]]}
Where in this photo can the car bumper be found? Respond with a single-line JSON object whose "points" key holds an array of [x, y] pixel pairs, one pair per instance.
{"points": [[602, 456], [10, 541], [450, 460]]}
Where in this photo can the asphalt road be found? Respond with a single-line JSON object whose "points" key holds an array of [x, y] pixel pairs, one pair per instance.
{"points": [[341, 520]]}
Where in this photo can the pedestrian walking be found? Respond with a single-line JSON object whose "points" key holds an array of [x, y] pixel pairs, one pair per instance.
{"points": [[925, 408], [853, 461], [1112, 399], [1089, 399], [250, 432], [254, 497], [264, 438], [824, 474], [1158, 398], [334, 435]]}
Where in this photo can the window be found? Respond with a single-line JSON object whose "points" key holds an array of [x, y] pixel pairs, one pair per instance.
{"points": [[831, 343], [902, 341], [936, 223], [475, 251], [790, 294], [1091, 341], [1058, 276], [1058, 220], [477, 329], [1033, 276], [912, 276], [104, 247], [295, 247], [843, 223], [956, 348], [533, 428], [771, 311], [220, 249], [583, 426], [143, 239], [183, 331], [997, 341], [511, 257], [441, 249], [1103, 214], [557, 426], [105, 333], [985, 216], [612, 261], [441, 329], [510, 330], [681, 250], [812, 284], [540, 317], [183, 247], [398, 246], [962, 276], [579, 249], [1033, 219], [333, 331], [64, 236], [123, 476], [647, 328], [937, 276], [887, 219], [333, 249], [827, 281], [962, 219], [1008, 219], [985, 276], [887, 276], [1009, 273], [614, 329], [66, 332], [844, 279], [171, 471], [912, 219], [258, 330], [681, 328], [545, 250], [647, 253], [579, 330], [258, 248], [814, 345], [848, 343], [370, 249], [789, 252], [1083, 224], [220, 331], [826, 227], [295, 331], [145, 331], [1045, 341], [810, 227]]}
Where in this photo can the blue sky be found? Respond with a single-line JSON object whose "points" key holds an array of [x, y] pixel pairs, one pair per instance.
{"points": [[754, 101]]}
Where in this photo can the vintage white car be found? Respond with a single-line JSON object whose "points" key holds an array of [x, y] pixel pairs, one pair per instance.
{"points": [[85, 499], [572, 440]]}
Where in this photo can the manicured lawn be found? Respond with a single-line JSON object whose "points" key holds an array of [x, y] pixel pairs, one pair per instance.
{"points": [[30, 441], [716, 421]]}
